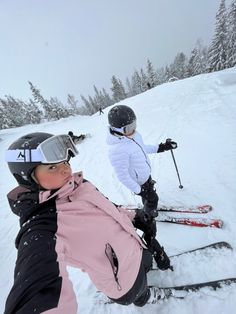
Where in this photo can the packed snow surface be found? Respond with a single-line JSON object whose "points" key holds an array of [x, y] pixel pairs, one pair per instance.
{"points": [[199, 113]]}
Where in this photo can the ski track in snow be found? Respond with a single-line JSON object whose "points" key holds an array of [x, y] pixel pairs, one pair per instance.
{"points": [[199, 113]]}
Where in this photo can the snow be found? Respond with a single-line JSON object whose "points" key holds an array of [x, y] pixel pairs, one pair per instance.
{"points": [[200, 114]]}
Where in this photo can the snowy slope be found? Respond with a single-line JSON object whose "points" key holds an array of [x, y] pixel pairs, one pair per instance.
{"points": [[200, 114]]}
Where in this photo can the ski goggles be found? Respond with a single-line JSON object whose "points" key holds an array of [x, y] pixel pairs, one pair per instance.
{"points": [[130, 128], [125, 130], [53, 150]]}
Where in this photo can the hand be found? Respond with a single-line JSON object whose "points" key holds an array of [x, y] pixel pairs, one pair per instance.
{"points": [[169, 144], [146, 223], [147, 188], [144, 192]]}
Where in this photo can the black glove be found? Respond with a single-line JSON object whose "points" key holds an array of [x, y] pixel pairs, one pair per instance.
{"points": [[169, 144], [160, 256], [146, 223], [144, 192], [149, 198]]}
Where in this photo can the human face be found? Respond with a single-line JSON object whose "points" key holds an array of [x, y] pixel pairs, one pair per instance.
{"points": [[53, 176]]}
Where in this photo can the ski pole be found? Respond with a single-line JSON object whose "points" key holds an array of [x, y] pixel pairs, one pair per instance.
{"points": [[176, 168]]}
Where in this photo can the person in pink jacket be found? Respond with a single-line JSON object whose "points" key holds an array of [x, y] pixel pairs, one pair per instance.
{"points": [[65, 220]]}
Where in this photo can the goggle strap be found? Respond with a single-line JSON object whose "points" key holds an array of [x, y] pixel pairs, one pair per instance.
{"points": [[23, 155]]}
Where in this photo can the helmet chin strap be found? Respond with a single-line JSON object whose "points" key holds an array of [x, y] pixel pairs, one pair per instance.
{"points": [[116, 133], [33, 177]]}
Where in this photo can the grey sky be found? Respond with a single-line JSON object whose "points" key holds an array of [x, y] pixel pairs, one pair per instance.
{"points": [[66, 46]]}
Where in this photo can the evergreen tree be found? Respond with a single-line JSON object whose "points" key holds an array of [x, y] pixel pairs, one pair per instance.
{"points": [[107, 101], [34, 114], [151, 74], [73, 104], [15, 112], [162, 75], [144, 81], [197, 63], [180, 66], [88, 107], [43, 104], [130, 92], [217, 52], [4, 119], [118, 90], [168, 74], [98, 99], [57, 109], [136, 83], [231, 35], [93, 105]]}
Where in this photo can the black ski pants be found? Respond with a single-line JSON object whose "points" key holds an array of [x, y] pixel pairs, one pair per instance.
{"points": [[139, 293]]}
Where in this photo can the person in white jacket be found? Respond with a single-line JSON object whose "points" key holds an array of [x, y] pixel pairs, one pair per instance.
{"points": [[129, 156]]}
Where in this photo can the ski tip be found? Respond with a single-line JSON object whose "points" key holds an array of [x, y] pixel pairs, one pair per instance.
{"points": [[217, 223], [205, 208], [225, 244]]}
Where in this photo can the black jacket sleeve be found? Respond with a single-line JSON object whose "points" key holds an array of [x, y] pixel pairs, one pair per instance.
{"points": [[37, 281]]}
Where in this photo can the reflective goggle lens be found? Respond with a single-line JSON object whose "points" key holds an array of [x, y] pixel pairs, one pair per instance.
{"points": [[130, 128], [57, 148]]}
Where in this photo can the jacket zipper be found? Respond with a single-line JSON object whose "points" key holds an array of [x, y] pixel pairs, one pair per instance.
{"points": [[111, 255], [141, 150]]}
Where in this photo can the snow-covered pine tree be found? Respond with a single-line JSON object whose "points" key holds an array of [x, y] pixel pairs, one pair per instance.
{"points": [[197, 63], [73, 104], [129, 92], [179, 66], [102, 99], [88, 107], [136, 83], [14, 111], [162, 75], [217, 59], [144, 81], [98, 99], [44, 104], [107, 101], [231, 35], [57, 109], [5, 120], [151, 74], [118, 90], [93, 104], [33, 113]]}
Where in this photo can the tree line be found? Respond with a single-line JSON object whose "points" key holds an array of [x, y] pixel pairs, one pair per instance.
{"points": [[219, 55]]}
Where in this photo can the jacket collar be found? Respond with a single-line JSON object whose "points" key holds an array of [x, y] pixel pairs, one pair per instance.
{"points": [[66, 189]]}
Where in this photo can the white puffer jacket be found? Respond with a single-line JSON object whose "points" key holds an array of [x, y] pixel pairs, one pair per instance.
{"points": [[128, 156]]}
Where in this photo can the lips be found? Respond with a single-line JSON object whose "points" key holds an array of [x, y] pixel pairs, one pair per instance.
{"points": [[68, 178]]}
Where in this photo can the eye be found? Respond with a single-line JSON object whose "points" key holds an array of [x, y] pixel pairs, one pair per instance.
{"points": [[52, 167]]}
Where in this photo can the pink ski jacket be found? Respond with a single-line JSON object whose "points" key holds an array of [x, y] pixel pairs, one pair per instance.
{"points": [[89, 232]]}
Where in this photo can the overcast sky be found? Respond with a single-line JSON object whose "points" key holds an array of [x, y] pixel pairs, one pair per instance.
{"points": [[67, 46]]}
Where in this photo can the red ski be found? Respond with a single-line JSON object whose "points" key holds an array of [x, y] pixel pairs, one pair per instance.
{"points": [[198, 209], [194, 209], [194, 222]]}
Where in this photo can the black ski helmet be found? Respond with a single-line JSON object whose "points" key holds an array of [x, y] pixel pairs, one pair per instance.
{"points": [[120, 116], [22, 170]]}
